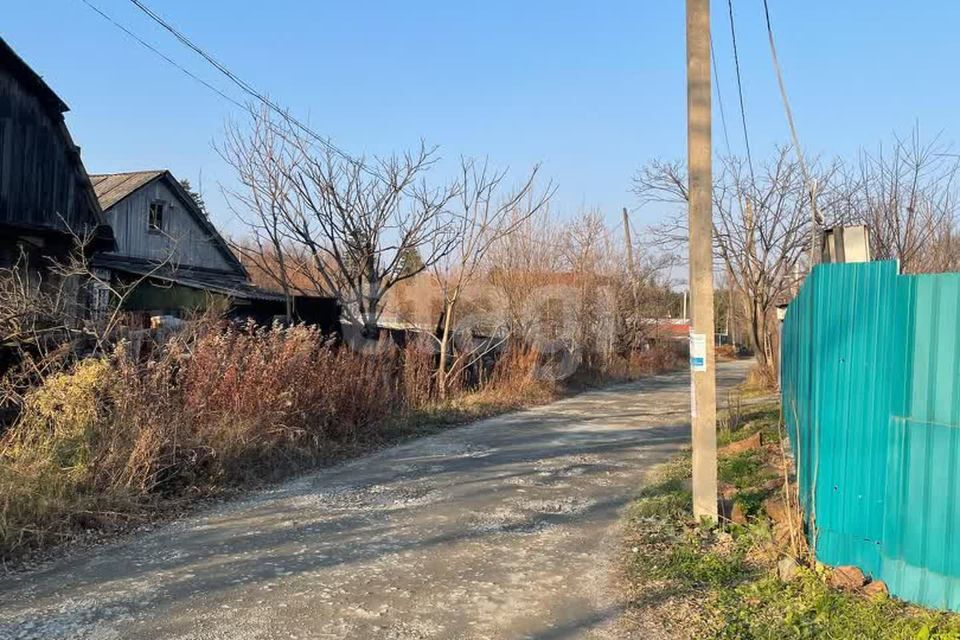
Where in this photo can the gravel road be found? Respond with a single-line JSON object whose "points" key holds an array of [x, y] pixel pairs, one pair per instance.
{"points": [[506, 528]]}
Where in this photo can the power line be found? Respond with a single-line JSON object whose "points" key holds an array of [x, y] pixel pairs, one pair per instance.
{"points": [[244, 86], [162, 55], [716, 81], [250, 90], [743, 111], [817, 218]]}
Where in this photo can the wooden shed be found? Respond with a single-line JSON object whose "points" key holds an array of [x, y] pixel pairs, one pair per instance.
{"points": [[47, 204]]}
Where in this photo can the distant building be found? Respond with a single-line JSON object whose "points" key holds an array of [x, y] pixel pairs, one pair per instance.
{"points": [[48, 209], [668, 328]]}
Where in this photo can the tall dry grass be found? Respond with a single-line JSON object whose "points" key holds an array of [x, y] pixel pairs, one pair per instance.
{"points": [[110, 437], [116, 438]]}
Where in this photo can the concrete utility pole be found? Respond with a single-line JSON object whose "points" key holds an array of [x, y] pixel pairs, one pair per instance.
{"points": [[703, 398], [628, 240]]}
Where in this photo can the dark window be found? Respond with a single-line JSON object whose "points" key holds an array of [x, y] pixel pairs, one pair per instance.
{"points": [[155, 221]]}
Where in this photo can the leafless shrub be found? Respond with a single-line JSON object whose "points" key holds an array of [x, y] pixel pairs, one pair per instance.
{"points": [[53, 314]]}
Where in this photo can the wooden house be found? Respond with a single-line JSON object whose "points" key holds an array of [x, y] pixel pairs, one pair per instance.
{"points": [[48, 208], [166, 246], [170, 260]]}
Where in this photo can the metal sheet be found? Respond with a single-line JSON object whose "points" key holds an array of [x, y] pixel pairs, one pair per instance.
{"points": [[871, 396]]}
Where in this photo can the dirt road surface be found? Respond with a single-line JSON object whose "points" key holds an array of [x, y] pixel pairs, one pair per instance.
{"points": [[506, 528]]}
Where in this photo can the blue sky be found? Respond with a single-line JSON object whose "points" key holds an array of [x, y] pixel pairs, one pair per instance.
{"points": [[592, 90]]}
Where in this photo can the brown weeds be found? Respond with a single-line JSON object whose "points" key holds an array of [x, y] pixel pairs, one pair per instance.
{"points": [[111, 439]]}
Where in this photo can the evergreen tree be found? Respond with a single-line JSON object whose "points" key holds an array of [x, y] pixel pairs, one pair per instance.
{"points": [[197, 198], [411, 262]]}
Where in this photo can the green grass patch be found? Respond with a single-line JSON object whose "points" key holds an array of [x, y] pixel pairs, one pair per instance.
{"points": [[696, 565], [767, 609], [668, 497], [739, 424], [668, 546], [723, 582], [743, 470]]}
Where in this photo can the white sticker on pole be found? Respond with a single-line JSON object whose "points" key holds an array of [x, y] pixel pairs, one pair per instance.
{"points": [[698, 352]]}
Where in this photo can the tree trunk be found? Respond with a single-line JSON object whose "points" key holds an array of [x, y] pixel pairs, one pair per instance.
{"points": [[442, 369], [757, 331]]}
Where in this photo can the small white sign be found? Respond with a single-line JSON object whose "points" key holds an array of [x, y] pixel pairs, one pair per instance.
{"points": [[698, 352]]}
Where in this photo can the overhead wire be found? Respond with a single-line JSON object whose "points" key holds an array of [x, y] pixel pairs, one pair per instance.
{"points": [[743, 110], [250, 90], [716, 82], [162, 55], [234, 78], [811, 188]]}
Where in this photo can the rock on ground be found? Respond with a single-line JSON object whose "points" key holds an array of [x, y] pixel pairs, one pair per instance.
{"points": [[848, 578]]}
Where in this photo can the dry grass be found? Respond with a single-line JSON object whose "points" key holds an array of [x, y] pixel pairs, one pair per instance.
{"points": [[761, 380], [726, 352], [636, 365], [101, 442], [116, 439]]}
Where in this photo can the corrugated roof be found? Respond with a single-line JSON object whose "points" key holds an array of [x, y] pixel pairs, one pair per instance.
{"points": [[111, 188]]}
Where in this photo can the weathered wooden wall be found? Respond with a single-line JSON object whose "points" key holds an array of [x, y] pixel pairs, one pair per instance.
{"points": [[40, 182], [184, 242]]}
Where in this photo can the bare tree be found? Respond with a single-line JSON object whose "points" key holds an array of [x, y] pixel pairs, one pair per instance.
{"points": [[643, 298], [594, 263], [357, 221], [761, 229], [269, 267], [907, 195], [482, 216], [524, 262], [618, 292], [358, 228], [265, 163]]}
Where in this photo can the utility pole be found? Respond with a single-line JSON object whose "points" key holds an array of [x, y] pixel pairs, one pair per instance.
{"points": [[626, 238], [703, 398], [731, 323]]}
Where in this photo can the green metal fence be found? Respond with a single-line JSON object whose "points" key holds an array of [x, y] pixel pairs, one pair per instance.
{"points": [[870, 378]]}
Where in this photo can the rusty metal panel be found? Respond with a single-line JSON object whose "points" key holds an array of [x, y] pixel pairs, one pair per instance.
{"points": [[871, 397]]}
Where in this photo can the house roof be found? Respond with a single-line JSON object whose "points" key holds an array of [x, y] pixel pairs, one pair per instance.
{"points": [[112, 188], [29, 79], [231, 285], [20, 70], [673, 327]]}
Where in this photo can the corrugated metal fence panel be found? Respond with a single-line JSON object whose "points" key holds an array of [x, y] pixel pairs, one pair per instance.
{"points": [[922, 529], [871, 396]]}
